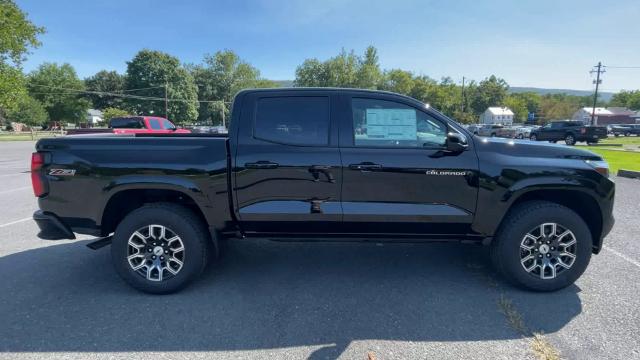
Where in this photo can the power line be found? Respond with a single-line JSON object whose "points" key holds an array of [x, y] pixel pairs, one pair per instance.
{"points": [[621, 67], [128, 96]]}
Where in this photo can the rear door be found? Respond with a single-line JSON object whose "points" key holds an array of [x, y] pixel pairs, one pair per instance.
{"points": [[397, 178], [287, 164]]}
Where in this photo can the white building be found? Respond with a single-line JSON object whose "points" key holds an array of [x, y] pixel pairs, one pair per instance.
{"points": [[94, 116], [497, 115]]}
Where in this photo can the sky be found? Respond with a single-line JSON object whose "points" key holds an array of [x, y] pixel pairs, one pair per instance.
{"points": [[540, 43]]}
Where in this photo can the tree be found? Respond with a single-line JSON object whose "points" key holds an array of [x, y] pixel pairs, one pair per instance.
{"points": [[629, 99], [519, 107], [106, 81], [17, 36], [490, 92], [59, 90], [218, 80], [28, 111], [112, 112], [344, 70], [398, 81], [153, 70]]}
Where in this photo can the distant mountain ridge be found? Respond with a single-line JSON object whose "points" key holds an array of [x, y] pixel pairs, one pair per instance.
{"points": [[604, 96]]}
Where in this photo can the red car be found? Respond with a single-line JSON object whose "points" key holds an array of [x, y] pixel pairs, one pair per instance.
{"points": [[143, 124]]}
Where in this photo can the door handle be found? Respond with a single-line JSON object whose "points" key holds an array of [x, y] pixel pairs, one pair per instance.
{"points": [[365, 166], [262, 164]]}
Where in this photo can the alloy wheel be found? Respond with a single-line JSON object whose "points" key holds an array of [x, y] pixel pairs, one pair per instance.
{"points": [[548, 250], [155, 252]]}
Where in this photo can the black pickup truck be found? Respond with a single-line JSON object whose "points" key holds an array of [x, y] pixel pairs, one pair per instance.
{"points": [[569, 131], [319, 164]]}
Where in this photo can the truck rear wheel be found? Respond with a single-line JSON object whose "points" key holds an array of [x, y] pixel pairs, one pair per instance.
{"points": [[160, 248], [542, 246]]}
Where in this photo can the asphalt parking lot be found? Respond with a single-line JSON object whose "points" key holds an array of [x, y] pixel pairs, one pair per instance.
{"points": [[317, 301]]}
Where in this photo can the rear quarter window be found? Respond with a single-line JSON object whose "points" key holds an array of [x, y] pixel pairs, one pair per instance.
{"points": [[295, 120], [126, 123]]}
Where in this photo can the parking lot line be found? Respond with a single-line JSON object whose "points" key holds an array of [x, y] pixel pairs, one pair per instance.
{"points": [[16, 222], [622, 256], [16, 189]]}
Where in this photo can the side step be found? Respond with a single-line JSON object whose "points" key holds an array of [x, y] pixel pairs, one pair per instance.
{"points": [[100, 243]]}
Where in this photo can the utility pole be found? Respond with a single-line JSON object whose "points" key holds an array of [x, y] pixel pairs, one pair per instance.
{"points": [[462, 105], [597, 81], [166, 102]]}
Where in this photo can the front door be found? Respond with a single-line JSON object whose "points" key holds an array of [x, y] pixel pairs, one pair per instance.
{"points": [[287, 166], [397, 176]]}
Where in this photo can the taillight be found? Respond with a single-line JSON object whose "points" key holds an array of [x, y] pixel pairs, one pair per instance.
{"points": [[37, 180]]}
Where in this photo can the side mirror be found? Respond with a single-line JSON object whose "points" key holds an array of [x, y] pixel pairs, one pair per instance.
{"points": [[456, 143]]}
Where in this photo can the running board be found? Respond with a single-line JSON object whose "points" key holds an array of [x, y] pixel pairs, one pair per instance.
{"points": [[100, 243]]}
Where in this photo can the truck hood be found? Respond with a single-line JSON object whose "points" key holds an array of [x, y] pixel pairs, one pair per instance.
{"points": [[527, 148]]}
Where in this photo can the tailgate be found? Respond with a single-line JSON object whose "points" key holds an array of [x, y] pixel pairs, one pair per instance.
{"points": [[599, 132]]}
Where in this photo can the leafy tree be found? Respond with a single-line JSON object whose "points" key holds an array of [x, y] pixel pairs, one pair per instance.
{"points": [[28, 111], [399, 81], [112, 112], [629, 99], [106, 81], [218, 80], [17, 35], [344, 70], [12, 86], [519, 107], [369, 75], [155, 69], [59, 90], [490, 92]]}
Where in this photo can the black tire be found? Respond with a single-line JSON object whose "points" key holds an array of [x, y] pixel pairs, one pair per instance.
{"points": [[506, 247], [519, 136], [533, 137], [570, 139], [627, 134], [183, 223], [493, 134]]}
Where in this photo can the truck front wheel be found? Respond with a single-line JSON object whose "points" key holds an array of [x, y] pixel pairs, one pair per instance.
{"points": [[159, 248], [542, 246], [570, 140]]}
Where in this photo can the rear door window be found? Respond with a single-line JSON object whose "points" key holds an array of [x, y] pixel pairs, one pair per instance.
{"points": [[155, 124], [126, 123], [295, 120]]}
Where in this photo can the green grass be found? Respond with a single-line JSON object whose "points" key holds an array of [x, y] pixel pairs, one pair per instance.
{"points": [[618, 159], [624, 140]]}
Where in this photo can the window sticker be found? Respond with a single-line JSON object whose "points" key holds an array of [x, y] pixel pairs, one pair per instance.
{"points": [[391, 124]]}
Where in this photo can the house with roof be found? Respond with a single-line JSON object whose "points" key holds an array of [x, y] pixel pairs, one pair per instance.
{"points": [[497, 115], [607, 116], [94, 117]]}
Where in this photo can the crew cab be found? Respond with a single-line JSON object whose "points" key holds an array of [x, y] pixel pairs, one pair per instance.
{"points": [[133, 125], [324, 164], [569, 131]]}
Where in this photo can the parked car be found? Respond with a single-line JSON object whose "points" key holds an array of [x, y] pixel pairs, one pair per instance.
{"points": [[626, 129], [474, 128], [490, 130], [570, 131], [133, 125], [524, 132], [337, 164]]}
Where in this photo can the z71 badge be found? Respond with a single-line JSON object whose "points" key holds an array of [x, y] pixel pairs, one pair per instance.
{"points": [[62, 172]]}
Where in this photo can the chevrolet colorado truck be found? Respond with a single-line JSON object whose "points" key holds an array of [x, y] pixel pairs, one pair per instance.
{"points": [[324, 164]]}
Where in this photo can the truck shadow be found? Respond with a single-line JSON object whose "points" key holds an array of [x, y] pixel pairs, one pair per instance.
{"points": [[266, 295]]}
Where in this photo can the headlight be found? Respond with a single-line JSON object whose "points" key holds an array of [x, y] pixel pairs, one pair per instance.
{"points": [[600, 166]]}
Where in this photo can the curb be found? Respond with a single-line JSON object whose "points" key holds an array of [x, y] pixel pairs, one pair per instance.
{"points": [[629, 174]]}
